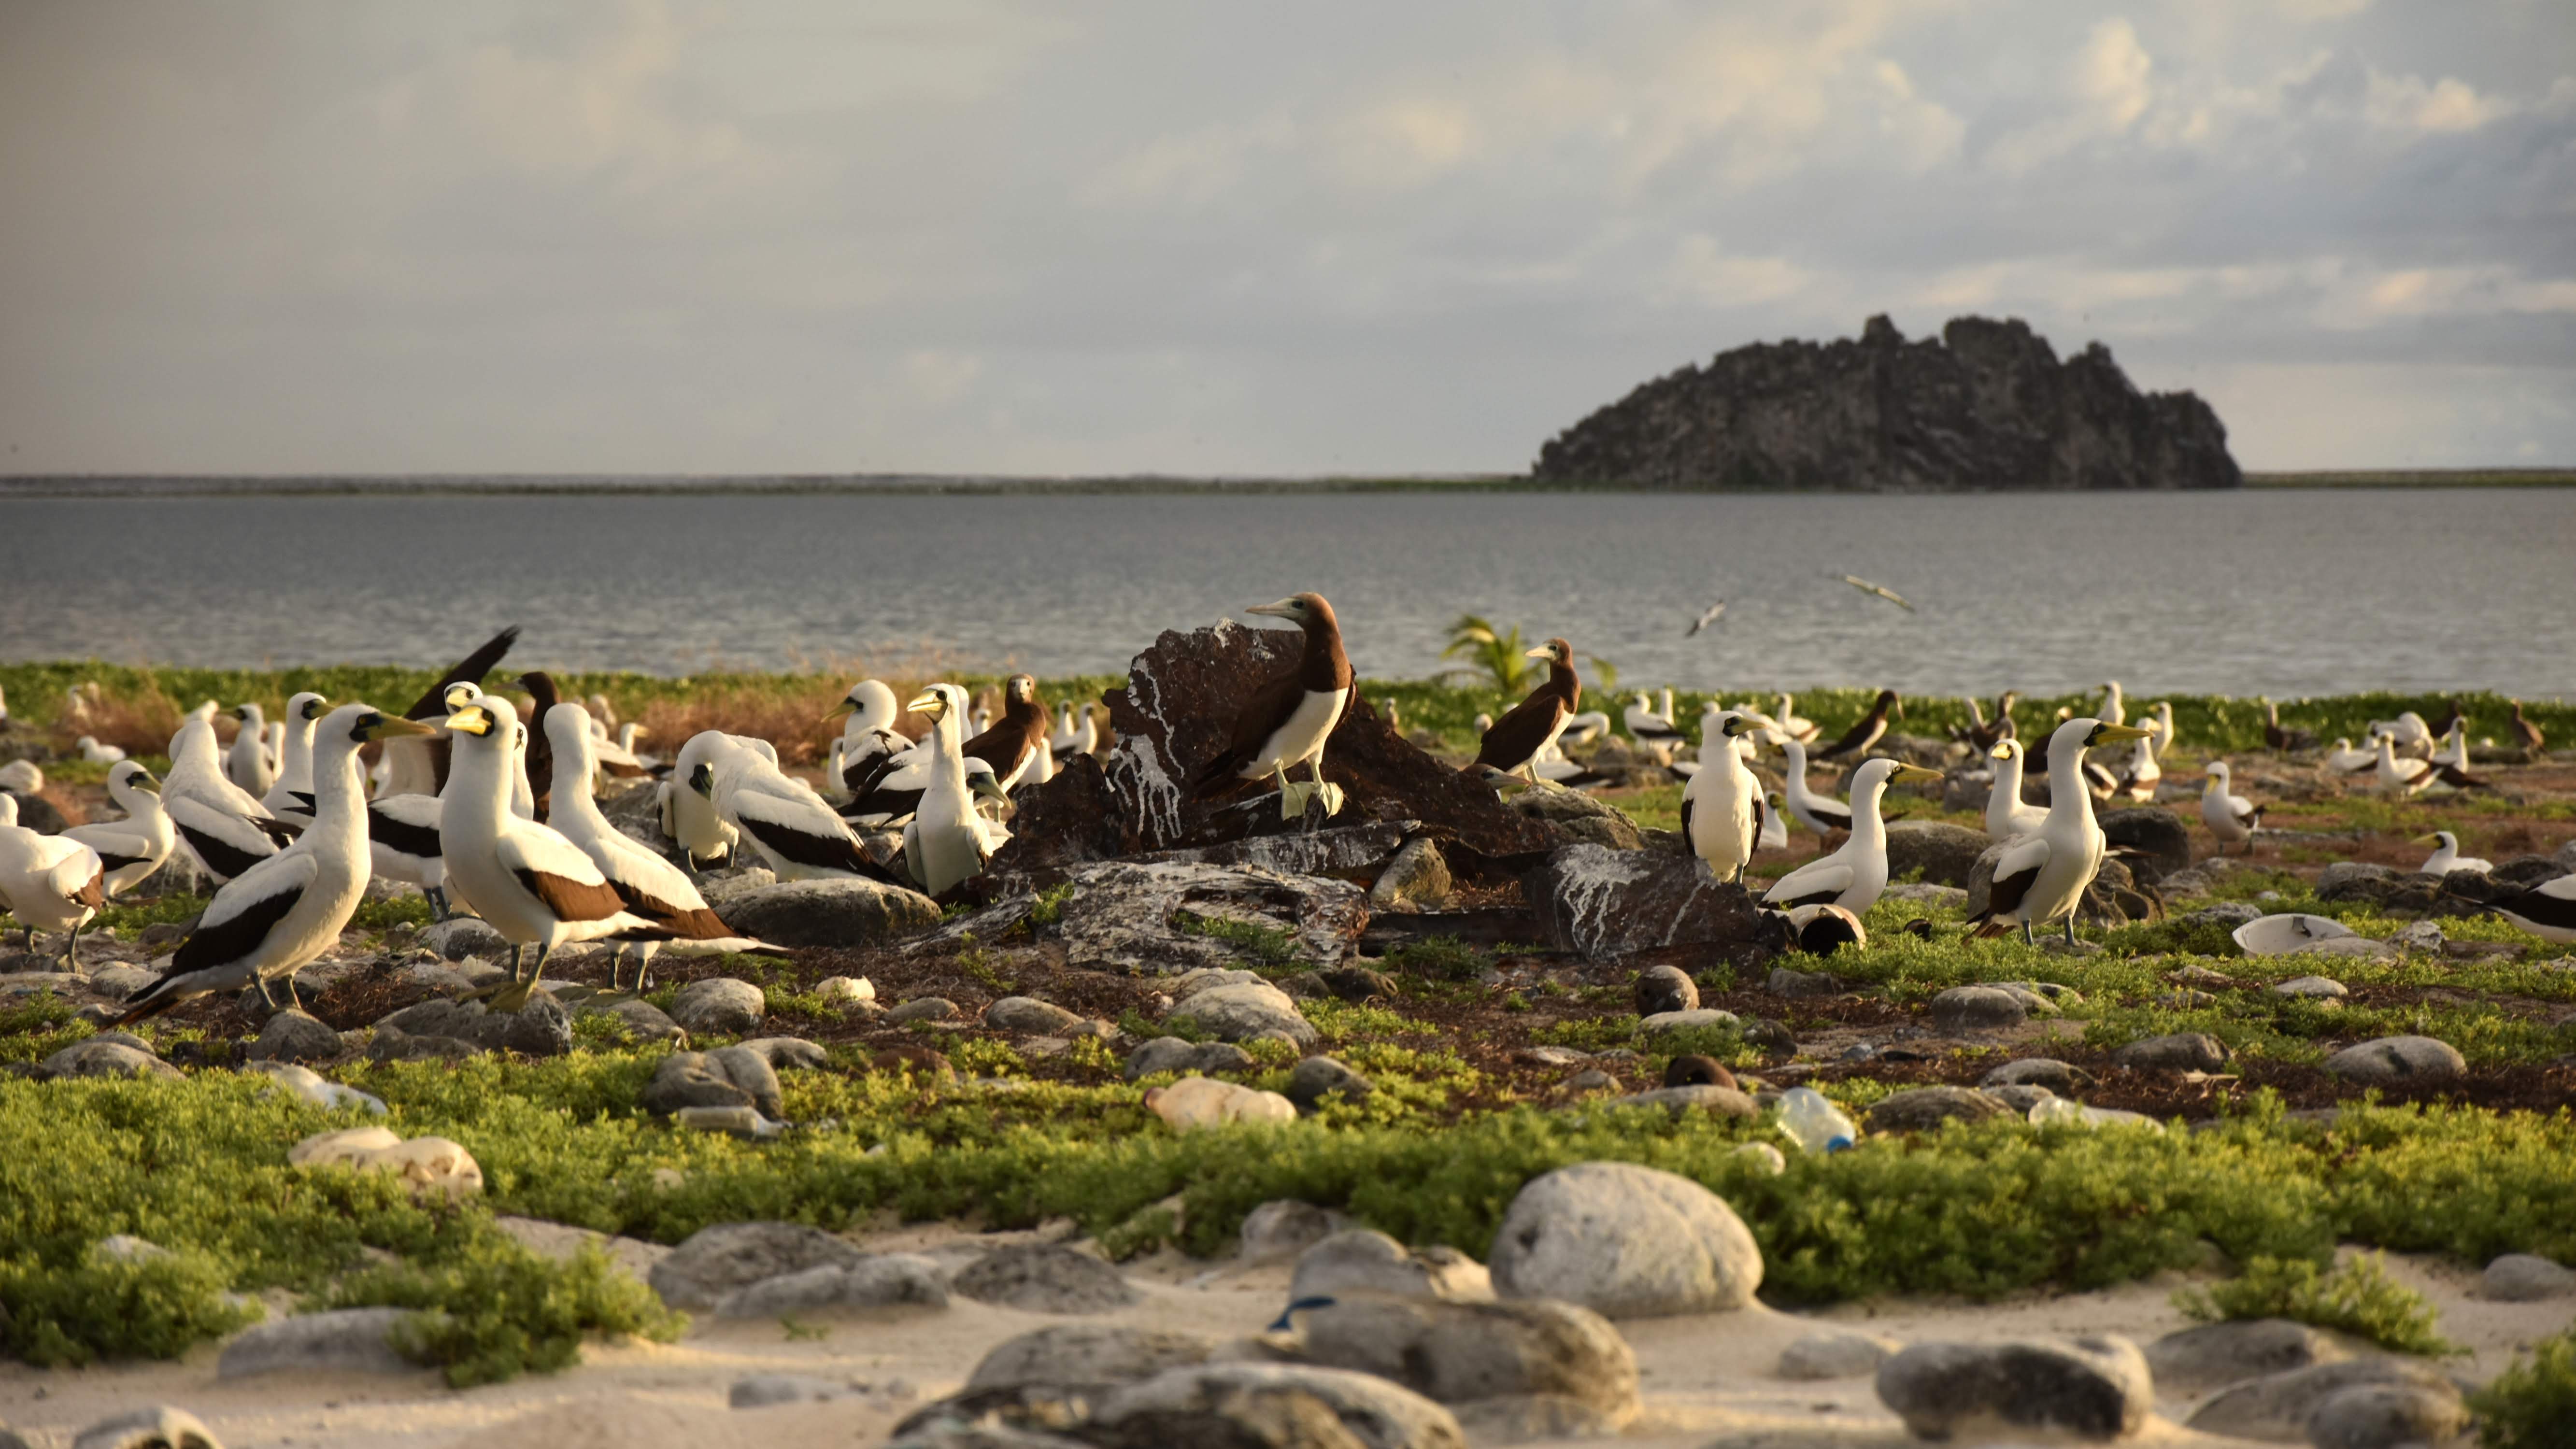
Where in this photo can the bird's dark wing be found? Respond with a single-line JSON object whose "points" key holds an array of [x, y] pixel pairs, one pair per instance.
{"points": [[569, 899], [1516, 738], [1271, 706], [823, 852], [417, 841], [1687, 842], [468, 670], [224, 942]]}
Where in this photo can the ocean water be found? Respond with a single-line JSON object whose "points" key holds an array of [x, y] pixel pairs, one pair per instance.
{"points": [[2281, 592]]}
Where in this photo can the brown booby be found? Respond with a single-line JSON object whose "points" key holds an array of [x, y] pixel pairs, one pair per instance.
{"points": [[1861, 736], [1985, 733], [2526, 733], [2277, 738], [541, 750], [1013, 743], [1286, 721], [1514, 743]]}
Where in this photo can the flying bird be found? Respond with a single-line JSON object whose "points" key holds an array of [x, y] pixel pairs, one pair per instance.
{"points": [[1706, 618], [1884, 592]]}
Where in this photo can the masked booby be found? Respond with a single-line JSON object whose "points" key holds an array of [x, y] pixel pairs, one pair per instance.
{"points": [[1790, 723], [2007, 814], [2446, 856], [2396, 776], [96, 753], [2164, 728], [869, 739], [538, 889], [2230, 816], [689, 814], [1858, 739], [2547, 910], [1287, 721], [1530, 728], [1722, 810], [1775, 824], [1077, 733], [414, 766], [133, 848], [402, 844], [49, 881], [22, 777], [788, 825], [1853, 876], [1819, 813], [2114, 710], [246, 764], [2408, 732], [652, 888], [223, 826], [948, 842], [291, 798], [1654, 734], [2525, 733], [2343, 759], [2140, 780], [2041, 876], [266, 923]]}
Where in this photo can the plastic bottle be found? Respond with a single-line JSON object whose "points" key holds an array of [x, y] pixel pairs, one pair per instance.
{"points": [[1813, 1123]]}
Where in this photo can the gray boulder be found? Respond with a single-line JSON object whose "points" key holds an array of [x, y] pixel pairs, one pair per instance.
{"points": [[1028, 1014], [1665, 988], [95, 1058], [834, 913], [2093, 1388], [2019, 1098], [292, 1036], [1244, 1010], [2356, 880], [875, 1280], [118, 982], [2278, 1406], [1364, 1260], [2387, 1416], [715, 1261], [2525, 1278], [458, 937], [343, 1340], [2062, 1078], [1284, 1228], [541, 1028], [1944, 853], [1179, 1054], [923, 1008], [1924, 1109], [2188, 1051], [1319, 1077], [1086, 1356], [731, 1077], [1455, 1352], [2158, 835], [1044, 1278], [788, 1053], [1416, 879], [958, 1434], [1291, 1406], [1625, 1241], [2245, 1348], [1832, 1354], [1605, 904], [763, 1391], [641, 1020], [719, 1006], [2392, 1061], [1974, 1008], [1785, 982], [1693, 1020], [2319, 988]]}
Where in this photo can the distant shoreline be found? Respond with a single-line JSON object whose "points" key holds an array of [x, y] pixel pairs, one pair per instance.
{"points": [[60, 486]]}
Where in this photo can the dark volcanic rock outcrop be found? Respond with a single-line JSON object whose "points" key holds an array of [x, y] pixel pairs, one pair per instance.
{"points": [[1987, 405]]}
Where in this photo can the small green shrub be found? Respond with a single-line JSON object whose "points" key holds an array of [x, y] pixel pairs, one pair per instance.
{"points": [[2531, 1404], [496, 1310], [1261, 946], [1440, 958], [155, 1307], [2358, 1298]]}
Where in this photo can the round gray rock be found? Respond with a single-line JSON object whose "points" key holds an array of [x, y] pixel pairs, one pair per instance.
{"points": [[2526, 1278], [458, 937], [1945, 853], [1086, 1356], [1027, 1013], [1924, 1109], [1240, 1011], [715, 1261], [1319, 1077], [1831, 1355], [1284, 1228], [875, 1280], [2278, 1406], [343, 1340], [2322, 988], [292, 1036], [1625, 1241], [1266, 1404], [2094, 1388], [830, 913], [1044, 1278], [2398, 1060], [2063, 1078], [1971, 1008], [95, 1058], [2226, 1353], [2188, 1051], [1364, 1260], [1179, 1054], [641, 1020], [1457, 1352], [719, 1006], [923, 1008], [2387, 1416]]}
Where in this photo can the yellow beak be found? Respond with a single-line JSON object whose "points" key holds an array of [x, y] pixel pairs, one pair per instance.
{"points": [[390, 726], [146, 782], [1912, 772], [471, 720], [2433, 839], [1542, 652], [459, 695], [847, 707], [2002, 751], [2111, 734], [928, 703]]}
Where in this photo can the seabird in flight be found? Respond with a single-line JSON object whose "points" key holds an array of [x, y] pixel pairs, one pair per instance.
{"points": [[2230, 816], [1858, 739], [2041, 876], [1853, 876], [1707, 617], [133, 848], [1722, 810], [266, 923], [1287, 721], [1880, 590], [49, 881], [1530, 728]]}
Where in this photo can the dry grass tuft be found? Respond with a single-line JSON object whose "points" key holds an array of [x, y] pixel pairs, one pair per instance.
{"points": [[140, 723]]}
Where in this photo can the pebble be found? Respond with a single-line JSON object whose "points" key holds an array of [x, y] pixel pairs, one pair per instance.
{"points": [[719, 1006], [1827, 1354], [2093, 1387]]}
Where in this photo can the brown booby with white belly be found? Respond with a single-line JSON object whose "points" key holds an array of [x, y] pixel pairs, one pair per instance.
{"points": [[1514, 742], [1286, 721]]}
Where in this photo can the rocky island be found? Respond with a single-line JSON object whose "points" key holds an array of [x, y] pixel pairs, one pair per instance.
{"points": [[1986, 405]]}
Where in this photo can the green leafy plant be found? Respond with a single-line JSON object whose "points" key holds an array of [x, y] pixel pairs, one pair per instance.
{"points": [[1497, 656], [2358, 1298], [497, 1310], [2531, 1404]]}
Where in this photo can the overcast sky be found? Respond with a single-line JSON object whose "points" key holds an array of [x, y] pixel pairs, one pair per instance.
{"points": [[966, 236]]}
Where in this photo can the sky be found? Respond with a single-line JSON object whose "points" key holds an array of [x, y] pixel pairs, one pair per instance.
{"points": [[967, 236]]}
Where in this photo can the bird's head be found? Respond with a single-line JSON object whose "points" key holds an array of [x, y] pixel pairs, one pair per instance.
{"points": [[133, 776], [359, 723], [870, 700], [982, 783], [1730, 723], [2006, 750], [1020, 689], [1502, 781], [1555, 651], [703, 780], [245, 712], [2439, 837], [481, 716], [461, 694], [1306, 610], [939, 701]]}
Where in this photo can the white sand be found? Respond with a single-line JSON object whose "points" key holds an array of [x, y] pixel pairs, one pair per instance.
{"points": [[1705, 1379]]}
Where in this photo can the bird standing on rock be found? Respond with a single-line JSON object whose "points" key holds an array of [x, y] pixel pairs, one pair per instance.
{"points": [[1287, 720], [47, 880], [1722, 810], [1514, 743], [2042, 876]]}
